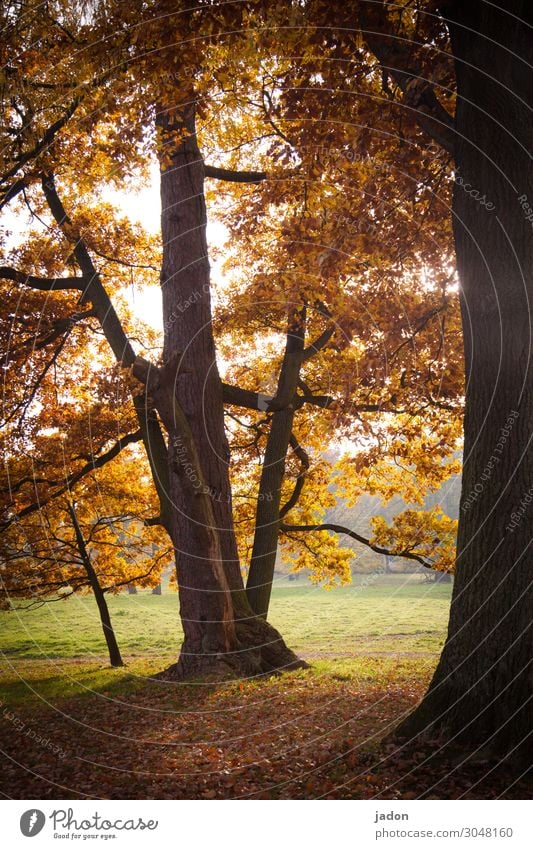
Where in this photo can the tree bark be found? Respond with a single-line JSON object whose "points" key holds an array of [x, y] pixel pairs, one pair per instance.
{"points": [[221, 633], [267, 518], [481, 694], [115, 658]]}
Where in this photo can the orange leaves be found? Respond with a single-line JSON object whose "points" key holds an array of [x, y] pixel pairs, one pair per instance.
{"points": [[351, 223], [39, 550]]}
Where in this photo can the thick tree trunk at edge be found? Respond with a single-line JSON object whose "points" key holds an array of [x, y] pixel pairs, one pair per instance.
{"points": [[481, 696]]}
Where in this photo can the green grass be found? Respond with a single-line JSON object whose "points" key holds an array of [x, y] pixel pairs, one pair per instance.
{"points": [[396, 614], [366, 632]]}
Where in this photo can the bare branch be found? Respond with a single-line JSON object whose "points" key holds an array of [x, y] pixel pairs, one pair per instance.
{"points": [[234, 176], [45, 284]]}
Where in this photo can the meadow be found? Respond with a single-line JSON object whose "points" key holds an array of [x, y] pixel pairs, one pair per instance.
{"points": [[396, 613], [72, 727]]}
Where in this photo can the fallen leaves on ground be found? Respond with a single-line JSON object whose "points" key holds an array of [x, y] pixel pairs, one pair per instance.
{"points": [[309, 734]]}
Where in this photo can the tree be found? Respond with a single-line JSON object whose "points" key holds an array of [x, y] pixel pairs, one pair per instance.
{"points": [[178, 402], [388, 379], [188, 462], [99, 544], [285, 499], [480, 696]]}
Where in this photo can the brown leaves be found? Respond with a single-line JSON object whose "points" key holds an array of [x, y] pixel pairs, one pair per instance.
{"points": [[298, 736]]}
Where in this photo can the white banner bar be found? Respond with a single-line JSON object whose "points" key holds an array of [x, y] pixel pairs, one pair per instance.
{"points": [[268, 824]]}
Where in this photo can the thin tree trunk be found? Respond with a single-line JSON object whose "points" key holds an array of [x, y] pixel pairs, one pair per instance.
{"points": [[267, 518], [482, 691], [115, 658], [221, 632]]}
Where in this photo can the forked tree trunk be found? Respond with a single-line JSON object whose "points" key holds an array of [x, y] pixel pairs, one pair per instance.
{"points": [[482, 693], [267, 516], [221, 632]]}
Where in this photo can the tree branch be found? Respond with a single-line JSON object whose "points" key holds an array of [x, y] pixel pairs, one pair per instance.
{"points": [[11, 191], [340, 529], [45, 284], [62, 326], [322, 401], [75, 477], [319, 343], [303, 457], [104, 311], [234, 176], [94, 290], [395, 56], [25, 403], [238, 397], [43, 143], [425, 319]]}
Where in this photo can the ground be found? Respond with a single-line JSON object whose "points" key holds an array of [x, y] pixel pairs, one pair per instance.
{"points": [[72, 728]]}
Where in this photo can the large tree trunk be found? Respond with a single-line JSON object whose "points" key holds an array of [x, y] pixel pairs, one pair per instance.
{"points": [[222, 634], [481, 694]]}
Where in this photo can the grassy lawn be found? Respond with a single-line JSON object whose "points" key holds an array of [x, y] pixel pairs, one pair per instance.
{"points": [[398, 613], [71, 727], [58, 650]]}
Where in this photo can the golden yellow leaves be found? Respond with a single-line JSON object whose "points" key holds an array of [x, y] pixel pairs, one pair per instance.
{"points": [[112, 503], [429, 533], [321, 555]]}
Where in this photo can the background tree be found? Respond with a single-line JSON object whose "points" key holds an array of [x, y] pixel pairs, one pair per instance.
{"points": [[213, 601], [75, 544]]}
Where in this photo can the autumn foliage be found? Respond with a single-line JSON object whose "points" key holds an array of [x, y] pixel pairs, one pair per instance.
{"points": [[337, 237]]}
